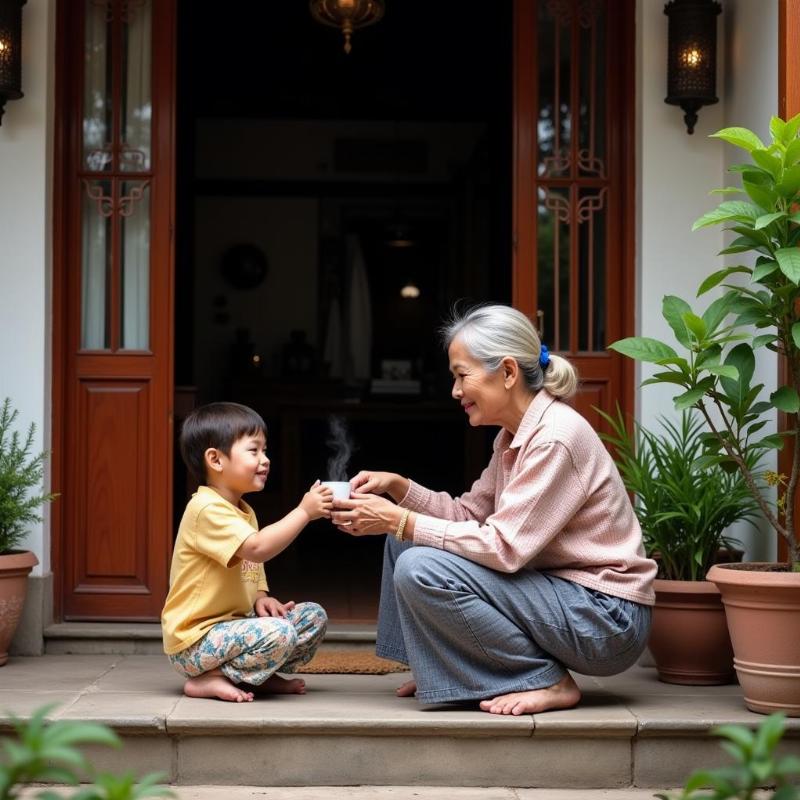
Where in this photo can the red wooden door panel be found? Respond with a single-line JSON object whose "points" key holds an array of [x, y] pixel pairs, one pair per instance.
{"points": [[574, 170], [113, 297]]}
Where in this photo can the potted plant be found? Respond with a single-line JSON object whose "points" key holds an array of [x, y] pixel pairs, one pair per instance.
{"points": [[714, 374], [20, 472], [684, 513]]}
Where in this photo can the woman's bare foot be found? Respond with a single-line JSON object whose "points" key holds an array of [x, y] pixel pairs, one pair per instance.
{"points": [[275, 684], [215, 684], [564, 694], [408, 689]]}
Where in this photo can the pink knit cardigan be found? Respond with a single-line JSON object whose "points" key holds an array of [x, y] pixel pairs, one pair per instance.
{"points": [[550, 499]]}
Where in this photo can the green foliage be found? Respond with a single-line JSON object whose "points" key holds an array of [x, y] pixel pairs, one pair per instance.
{"points": [[759, 307], [755, 765], [684, 506], [19, 473], [44, 751]]}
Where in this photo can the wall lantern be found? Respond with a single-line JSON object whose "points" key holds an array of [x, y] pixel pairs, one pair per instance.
{"points": [[10, 52], [692, 56], [347, 15]]}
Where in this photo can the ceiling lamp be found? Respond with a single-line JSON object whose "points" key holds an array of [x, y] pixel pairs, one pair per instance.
{"points": [[692, 56], [410, 291], [347, 15]]}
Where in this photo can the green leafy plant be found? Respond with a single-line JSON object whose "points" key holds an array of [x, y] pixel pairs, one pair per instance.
{"points": [[683, 510], [20, 472], [756, 765], [715, 371], [45, 751]]}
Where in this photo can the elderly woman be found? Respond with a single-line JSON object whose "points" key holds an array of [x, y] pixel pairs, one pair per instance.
{"points": [[538, 569]]}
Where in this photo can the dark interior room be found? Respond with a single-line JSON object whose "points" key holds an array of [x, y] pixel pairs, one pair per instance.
{"points": [[331, 209]]}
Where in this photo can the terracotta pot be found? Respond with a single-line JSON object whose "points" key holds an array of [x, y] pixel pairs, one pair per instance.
{"points": [[14, 569], [762, 604], [689, 638]]}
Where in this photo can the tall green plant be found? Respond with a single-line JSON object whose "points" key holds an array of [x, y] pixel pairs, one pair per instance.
{"points": [[20, 472], [714, 371], [683, 510]]}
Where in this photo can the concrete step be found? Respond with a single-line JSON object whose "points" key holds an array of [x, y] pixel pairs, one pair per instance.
{"points": [[394, 793], [630, 731], [144, 638]]}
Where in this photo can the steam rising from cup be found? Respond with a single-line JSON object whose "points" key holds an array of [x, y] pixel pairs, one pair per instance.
{"points": [[339, 441]]}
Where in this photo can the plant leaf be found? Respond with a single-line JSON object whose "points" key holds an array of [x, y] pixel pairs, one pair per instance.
{"points": [[743, 359], [786, 399], [768, 219], [789, 261], [762, 195], [772, 442], [789, 184], [717, 277], [674, 309], [740, 137], [792, 153], [731, 209], [724, 371], [767, 338], [688, 399], [768, 162], [695, 324], [643, 348], [763, 269]]}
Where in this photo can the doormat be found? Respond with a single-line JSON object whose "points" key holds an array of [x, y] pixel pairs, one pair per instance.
{"points": [[351, 662]]}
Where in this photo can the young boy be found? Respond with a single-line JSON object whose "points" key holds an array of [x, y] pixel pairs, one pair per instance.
{"points": [[222, 631]]}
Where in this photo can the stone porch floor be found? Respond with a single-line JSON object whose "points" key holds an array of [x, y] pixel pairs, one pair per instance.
{"points": [[632, 734]]}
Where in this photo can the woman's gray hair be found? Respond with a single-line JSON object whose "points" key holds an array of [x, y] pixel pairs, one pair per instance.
{"points": [[493, 332]]}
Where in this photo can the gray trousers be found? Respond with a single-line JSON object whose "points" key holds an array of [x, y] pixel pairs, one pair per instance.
{"points": [[471, 633]]}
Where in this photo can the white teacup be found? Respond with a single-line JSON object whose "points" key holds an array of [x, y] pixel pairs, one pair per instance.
{"points": [[340, 489]]}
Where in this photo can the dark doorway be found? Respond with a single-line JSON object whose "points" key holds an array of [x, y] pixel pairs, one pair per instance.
{"points": [[330, 210]]}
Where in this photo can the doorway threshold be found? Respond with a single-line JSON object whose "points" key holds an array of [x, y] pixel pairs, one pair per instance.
{"points": [[144, 638]]}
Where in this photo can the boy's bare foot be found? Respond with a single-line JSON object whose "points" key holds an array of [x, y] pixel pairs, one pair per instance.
{"points": [[564, 694], [408, 689], [275, 684], [215, 684]]}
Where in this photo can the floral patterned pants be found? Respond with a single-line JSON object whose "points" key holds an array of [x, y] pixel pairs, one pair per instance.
{"points": [[252, 649]]}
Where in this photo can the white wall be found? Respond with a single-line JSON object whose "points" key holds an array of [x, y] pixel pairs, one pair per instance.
{"points": [[676, 171], [25, 241]]}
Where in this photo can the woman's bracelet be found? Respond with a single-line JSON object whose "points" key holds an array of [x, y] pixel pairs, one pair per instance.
{"points": [[398, 534]]}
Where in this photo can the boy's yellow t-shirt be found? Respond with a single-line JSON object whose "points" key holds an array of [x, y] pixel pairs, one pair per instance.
{"points": [[208, 583]]}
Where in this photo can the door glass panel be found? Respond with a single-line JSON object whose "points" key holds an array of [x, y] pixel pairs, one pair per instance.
{"points": [[135, 265], [97, 208], [553, 246], [592, 89], [554, 77], [592, 220], [97, 88], [136, 105]]}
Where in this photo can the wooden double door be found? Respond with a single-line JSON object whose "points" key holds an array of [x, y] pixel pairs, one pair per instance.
{"points": [[572, 270]]}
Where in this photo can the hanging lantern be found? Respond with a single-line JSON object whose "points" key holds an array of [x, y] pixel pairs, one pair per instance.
{"points": [[10, 51], [692, 56], [347, 15]]}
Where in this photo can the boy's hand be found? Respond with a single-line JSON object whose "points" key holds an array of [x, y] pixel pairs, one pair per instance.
{"points": [[272, 607], [317, 501]]}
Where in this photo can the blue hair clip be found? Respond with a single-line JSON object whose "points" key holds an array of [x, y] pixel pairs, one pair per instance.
{"points": [[544, 357]]}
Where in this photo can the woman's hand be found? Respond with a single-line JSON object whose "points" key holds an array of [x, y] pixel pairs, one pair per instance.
{"points": [[369, 482], [366, 515]]}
